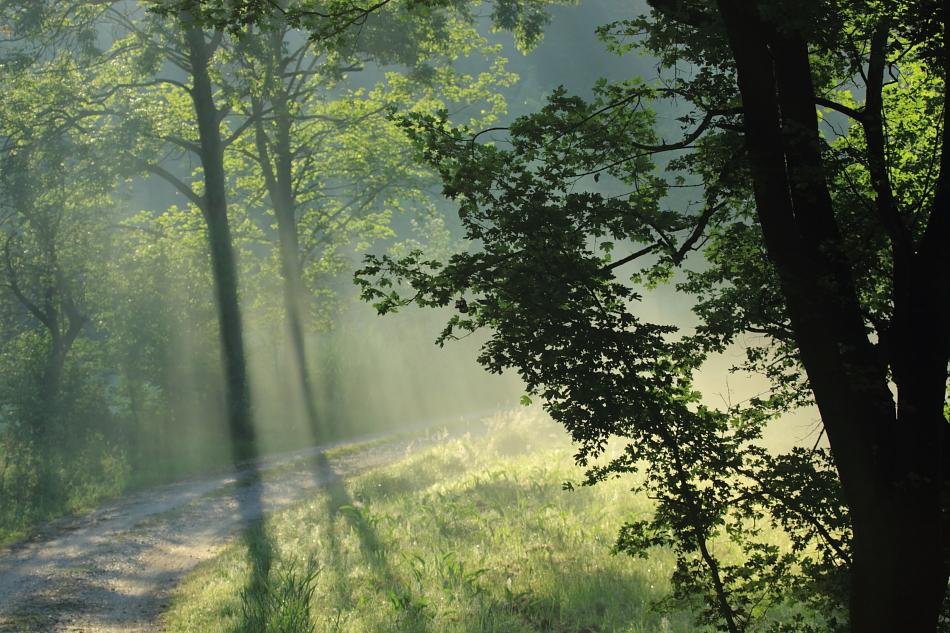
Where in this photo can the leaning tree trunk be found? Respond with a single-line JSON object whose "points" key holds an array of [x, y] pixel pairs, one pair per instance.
{"points": [[237, 392], [891, 461]]}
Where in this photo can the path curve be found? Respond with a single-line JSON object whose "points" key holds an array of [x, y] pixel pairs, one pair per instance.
{"points": [[115, 569]]}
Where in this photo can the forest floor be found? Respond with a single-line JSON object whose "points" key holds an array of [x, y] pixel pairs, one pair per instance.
{"points": [[471, 535], [474, 534], [114, 569]]}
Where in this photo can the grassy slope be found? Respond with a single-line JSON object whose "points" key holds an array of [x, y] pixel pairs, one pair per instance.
{"points": [[473, 535]]}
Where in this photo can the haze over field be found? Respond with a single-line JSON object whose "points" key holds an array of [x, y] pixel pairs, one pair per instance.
{"points": [[504, 316]]}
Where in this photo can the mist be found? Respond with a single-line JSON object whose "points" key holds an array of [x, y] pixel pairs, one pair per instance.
{"points": [[180, 354], [443, 317], [135, 353]]}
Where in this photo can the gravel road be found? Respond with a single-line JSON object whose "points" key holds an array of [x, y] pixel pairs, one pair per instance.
{"points": [[115, 569]]}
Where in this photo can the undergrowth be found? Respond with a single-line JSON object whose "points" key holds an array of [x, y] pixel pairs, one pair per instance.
{"points": [[474, 535]]}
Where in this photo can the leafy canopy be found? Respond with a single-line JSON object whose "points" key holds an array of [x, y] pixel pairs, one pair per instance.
{"points": [[574, 212]]}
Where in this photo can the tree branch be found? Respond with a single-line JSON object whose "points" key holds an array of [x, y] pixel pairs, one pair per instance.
{"points": [[14, 285], [176, 182]]}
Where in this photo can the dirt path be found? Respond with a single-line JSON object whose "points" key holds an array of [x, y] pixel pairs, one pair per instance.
{"points": [[114, 570]]}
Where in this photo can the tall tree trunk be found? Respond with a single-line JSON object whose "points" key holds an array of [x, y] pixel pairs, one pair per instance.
{"points": [[48, 429], [891, 480], [65, 323], [277, 165], [49, 418], [292, 270], [53, 371], [296, 311], [237, 392]]}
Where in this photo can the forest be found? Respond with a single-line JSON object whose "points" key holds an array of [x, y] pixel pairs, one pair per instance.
{"points": [[436, 316]]}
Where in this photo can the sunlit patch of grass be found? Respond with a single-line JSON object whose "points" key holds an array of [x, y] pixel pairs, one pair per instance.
{"points": [[359, 447], [474, 535]]}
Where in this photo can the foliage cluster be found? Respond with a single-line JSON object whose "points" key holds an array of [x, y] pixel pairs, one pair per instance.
{"points": [[113, 372], [802, 203]]}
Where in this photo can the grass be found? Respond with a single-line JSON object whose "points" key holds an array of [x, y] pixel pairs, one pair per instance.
{"points": [[272, 472], [268, 473], [474, 535]]}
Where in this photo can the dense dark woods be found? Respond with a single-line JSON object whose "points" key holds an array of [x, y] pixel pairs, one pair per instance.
{"points": [[188, 186]]}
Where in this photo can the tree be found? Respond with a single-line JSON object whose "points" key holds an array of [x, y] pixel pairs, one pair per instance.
{"points": [[823, 219], [214, 207], [186, 49], [325, 155], [56, 201], [44, 28]]}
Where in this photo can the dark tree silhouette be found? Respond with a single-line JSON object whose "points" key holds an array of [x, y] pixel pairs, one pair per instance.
{"points": [[826, 237]]}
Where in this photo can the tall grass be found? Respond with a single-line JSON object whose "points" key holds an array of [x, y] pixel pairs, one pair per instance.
{"points": [[475, 535]]}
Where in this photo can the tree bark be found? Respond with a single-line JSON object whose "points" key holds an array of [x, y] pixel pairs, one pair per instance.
{"points": [[294, 290], [237, 392], [891, 477], [296, 311], [277, 165]]}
